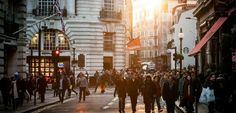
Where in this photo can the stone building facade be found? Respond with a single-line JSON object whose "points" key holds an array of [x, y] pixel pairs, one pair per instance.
{"points": [[93, 28], [12, 17]]}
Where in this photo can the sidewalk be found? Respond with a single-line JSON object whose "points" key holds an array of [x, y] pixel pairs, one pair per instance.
{"points": [[30, 107]]}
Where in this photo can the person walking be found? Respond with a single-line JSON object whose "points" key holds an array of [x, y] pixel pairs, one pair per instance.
{"points": [[188, 93], [5, 87], [72, 81], [96, 76], [148, 91], [42, 85], [21, 88], [83, 85], [211, 83], [133, 87], [121, 90], [170, 93], [157, 94], [63, 86]]}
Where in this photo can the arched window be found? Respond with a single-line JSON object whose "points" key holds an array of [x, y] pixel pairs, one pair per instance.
{"points": [[51, 39]]}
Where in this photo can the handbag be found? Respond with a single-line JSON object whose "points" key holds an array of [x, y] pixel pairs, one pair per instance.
{"points": [[210, 95], [182, 102], [87, 92], [203, 97]]}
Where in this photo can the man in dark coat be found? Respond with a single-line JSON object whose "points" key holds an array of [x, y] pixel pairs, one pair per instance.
{"points": [[170, 93], [5, 87], [157, 94], [42, 84], [148, 91], [121, 90], [133, 87]]}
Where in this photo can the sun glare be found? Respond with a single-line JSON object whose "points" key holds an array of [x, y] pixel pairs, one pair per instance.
{"points": [[147, 8]]}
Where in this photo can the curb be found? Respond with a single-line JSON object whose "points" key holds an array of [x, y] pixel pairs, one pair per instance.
{"points": [[30, 110], [39, 107], [179, 108]]}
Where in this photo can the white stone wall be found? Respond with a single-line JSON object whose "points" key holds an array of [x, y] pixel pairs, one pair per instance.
{"points": [[85, 33], [190, 32]]}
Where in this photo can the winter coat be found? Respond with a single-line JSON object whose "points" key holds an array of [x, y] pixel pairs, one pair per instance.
{"points": [[170, 93], [188, 91], [121, 89], [82, 82], [133, 87], [157, 88], [148, 91], [42, 84]]}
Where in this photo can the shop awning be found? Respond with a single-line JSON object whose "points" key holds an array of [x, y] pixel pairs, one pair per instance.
{"points": [[208, 35]]}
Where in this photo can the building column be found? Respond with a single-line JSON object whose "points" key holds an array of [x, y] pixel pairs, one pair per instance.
{"points": [[208, 53], [21, 41]]}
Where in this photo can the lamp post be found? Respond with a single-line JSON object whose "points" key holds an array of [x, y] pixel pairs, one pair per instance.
{"points": [[196, 59], [73, 62], [181, 35]]}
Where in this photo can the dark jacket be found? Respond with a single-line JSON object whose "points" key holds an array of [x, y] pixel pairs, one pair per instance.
{"points": [[148, 90], [188, 94], [133, 87], [120, 88], [170, 93], [157, 88], [42, 84], [5, 85]]}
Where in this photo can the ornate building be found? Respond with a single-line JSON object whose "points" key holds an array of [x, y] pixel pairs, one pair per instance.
{"points": [[12, 17], [92, 28]]}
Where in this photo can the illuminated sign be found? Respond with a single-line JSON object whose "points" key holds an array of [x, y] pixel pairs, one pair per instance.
{"points": [[60, 65]]}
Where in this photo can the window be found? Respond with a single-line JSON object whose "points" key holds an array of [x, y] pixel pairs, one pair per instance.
{"points": [[34, 42], [63, 43], [46, 7], [109, 7], [107, 62], [108, 41], [51, 39], [47, 66]]}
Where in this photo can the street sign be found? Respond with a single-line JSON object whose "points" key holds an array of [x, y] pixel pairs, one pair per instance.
{"points": [[60, 64]]}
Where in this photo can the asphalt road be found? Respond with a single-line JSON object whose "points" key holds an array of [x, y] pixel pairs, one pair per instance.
{"points": [[95, 103]]}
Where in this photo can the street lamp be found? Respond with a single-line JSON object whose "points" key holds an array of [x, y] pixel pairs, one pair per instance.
{"points": [[74, 62], [181, 35], [196, 59]]}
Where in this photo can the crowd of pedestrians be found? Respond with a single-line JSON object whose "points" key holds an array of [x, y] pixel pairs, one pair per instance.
{"points": [[16, 90], [168, 86]]}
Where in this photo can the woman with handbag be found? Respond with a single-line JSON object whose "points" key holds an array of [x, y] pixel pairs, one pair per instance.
{"points": [[83, 86], [211, 83]]}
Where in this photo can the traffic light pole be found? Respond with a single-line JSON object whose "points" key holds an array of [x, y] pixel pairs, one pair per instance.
{"points": [[180, 69], [73, 61], [175, 61]]}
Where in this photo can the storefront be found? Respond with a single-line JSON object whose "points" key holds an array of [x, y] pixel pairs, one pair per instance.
{"points": [[48, 65]]}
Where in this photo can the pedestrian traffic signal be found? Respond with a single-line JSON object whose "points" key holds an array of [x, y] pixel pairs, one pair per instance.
{"points": [[81, 60], [178, 56], [174, 56], [56, 53]]}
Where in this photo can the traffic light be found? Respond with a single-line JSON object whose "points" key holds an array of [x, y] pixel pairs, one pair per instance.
{"points": [[174, 56], [56, 53], [81, 60]]}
